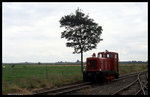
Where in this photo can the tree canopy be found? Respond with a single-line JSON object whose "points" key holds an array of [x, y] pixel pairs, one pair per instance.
{"points": [[81, 32]]}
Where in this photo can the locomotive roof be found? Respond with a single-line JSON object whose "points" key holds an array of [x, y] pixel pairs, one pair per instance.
{"points": [[108, 52]]}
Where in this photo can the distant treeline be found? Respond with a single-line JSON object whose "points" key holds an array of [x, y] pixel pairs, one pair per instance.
{"points": [[69, 63], [40, 63], [132, 62]]}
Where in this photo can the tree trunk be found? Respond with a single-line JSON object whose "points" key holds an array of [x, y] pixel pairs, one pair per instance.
{"points": [[81, 61]]}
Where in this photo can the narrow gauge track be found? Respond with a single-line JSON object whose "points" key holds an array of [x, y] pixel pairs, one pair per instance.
{"points": [[65, 89], [70, 88], [108, 87], [127, 76], [137, 87]]}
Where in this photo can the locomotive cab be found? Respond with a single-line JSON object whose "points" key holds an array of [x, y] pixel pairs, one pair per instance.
{"points": [[101, 68]]}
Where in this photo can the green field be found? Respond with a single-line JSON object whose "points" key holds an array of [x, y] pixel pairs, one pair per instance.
{"points": [[25, 78], [37, 71], [35, 76]]}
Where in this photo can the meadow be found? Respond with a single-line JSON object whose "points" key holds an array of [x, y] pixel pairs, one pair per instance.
{"points": [[27, 78]]}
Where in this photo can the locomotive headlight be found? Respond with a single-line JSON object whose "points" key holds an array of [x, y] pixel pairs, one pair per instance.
{"points": [[100, 70]]}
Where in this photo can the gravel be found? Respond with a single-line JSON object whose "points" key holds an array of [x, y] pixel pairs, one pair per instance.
{"points": [[110, 88], [104, 89]]}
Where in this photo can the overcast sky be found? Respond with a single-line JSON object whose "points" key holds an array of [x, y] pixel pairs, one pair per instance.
{"points": [[31, 30]]}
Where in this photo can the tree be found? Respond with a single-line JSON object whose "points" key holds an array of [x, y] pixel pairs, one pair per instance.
{"points": [[82, 32], [39, 63]]}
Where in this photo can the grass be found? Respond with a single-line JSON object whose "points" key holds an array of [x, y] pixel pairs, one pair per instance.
{"points": [[25, 78], [28, 71], [34, 76], [132, 67]]}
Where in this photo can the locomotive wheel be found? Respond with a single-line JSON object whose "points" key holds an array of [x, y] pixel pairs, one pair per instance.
{"points": [[116, 75], [101, 78], [95, 78]]}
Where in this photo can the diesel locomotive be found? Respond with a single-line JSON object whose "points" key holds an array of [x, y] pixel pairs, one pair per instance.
{"points": [[102, 68]]}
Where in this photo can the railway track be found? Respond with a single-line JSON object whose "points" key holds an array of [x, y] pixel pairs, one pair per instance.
{"points": [[69, 89], [127, 76], [137, 87], [65, 89], [107, 88]]}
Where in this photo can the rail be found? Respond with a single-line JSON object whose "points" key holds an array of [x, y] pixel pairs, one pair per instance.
{"points": [[82, 85], [65, 89], [139, 81]]}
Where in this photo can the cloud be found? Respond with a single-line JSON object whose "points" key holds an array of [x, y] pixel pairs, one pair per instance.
{"points": [[31, 31]]}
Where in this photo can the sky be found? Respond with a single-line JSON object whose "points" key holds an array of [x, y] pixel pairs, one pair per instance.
{"points": [[31, 31]]}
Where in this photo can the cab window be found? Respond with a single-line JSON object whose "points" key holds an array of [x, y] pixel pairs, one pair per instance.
{"points": [[100, 56], [109, 55]]}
